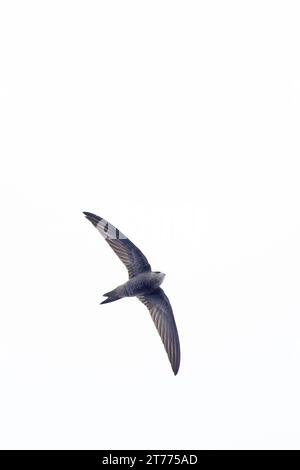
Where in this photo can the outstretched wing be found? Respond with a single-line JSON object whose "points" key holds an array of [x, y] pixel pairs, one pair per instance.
{"points": [[161, 312], [128, 253]]}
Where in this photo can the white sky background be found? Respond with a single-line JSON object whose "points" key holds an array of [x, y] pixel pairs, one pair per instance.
{"points": [[179, 123]]}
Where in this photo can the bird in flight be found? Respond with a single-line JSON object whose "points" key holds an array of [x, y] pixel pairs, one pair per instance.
{"points": [[143, 283]]}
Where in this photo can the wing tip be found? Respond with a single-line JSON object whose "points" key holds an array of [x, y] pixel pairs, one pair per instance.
{"points": [[175, 368], [93, 218]]}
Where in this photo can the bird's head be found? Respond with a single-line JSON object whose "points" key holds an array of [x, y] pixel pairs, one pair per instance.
{"points": [[159, 275]]}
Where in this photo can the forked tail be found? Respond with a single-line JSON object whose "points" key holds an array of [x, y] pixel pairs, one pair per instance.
{"points": [[112, 296]]}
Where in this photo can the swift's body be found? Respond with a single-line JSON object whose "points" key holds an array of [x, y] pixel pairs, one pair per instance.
{"points": [[144, 284]]}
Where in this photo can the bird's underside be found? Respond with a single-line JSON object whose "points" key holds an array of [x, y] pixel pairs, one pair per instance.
{"points": [[144, 284]]}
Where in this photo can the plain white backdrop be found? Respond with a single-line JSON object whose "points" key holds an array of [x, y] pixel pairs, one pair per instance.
{"points": [[179, 123]]}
